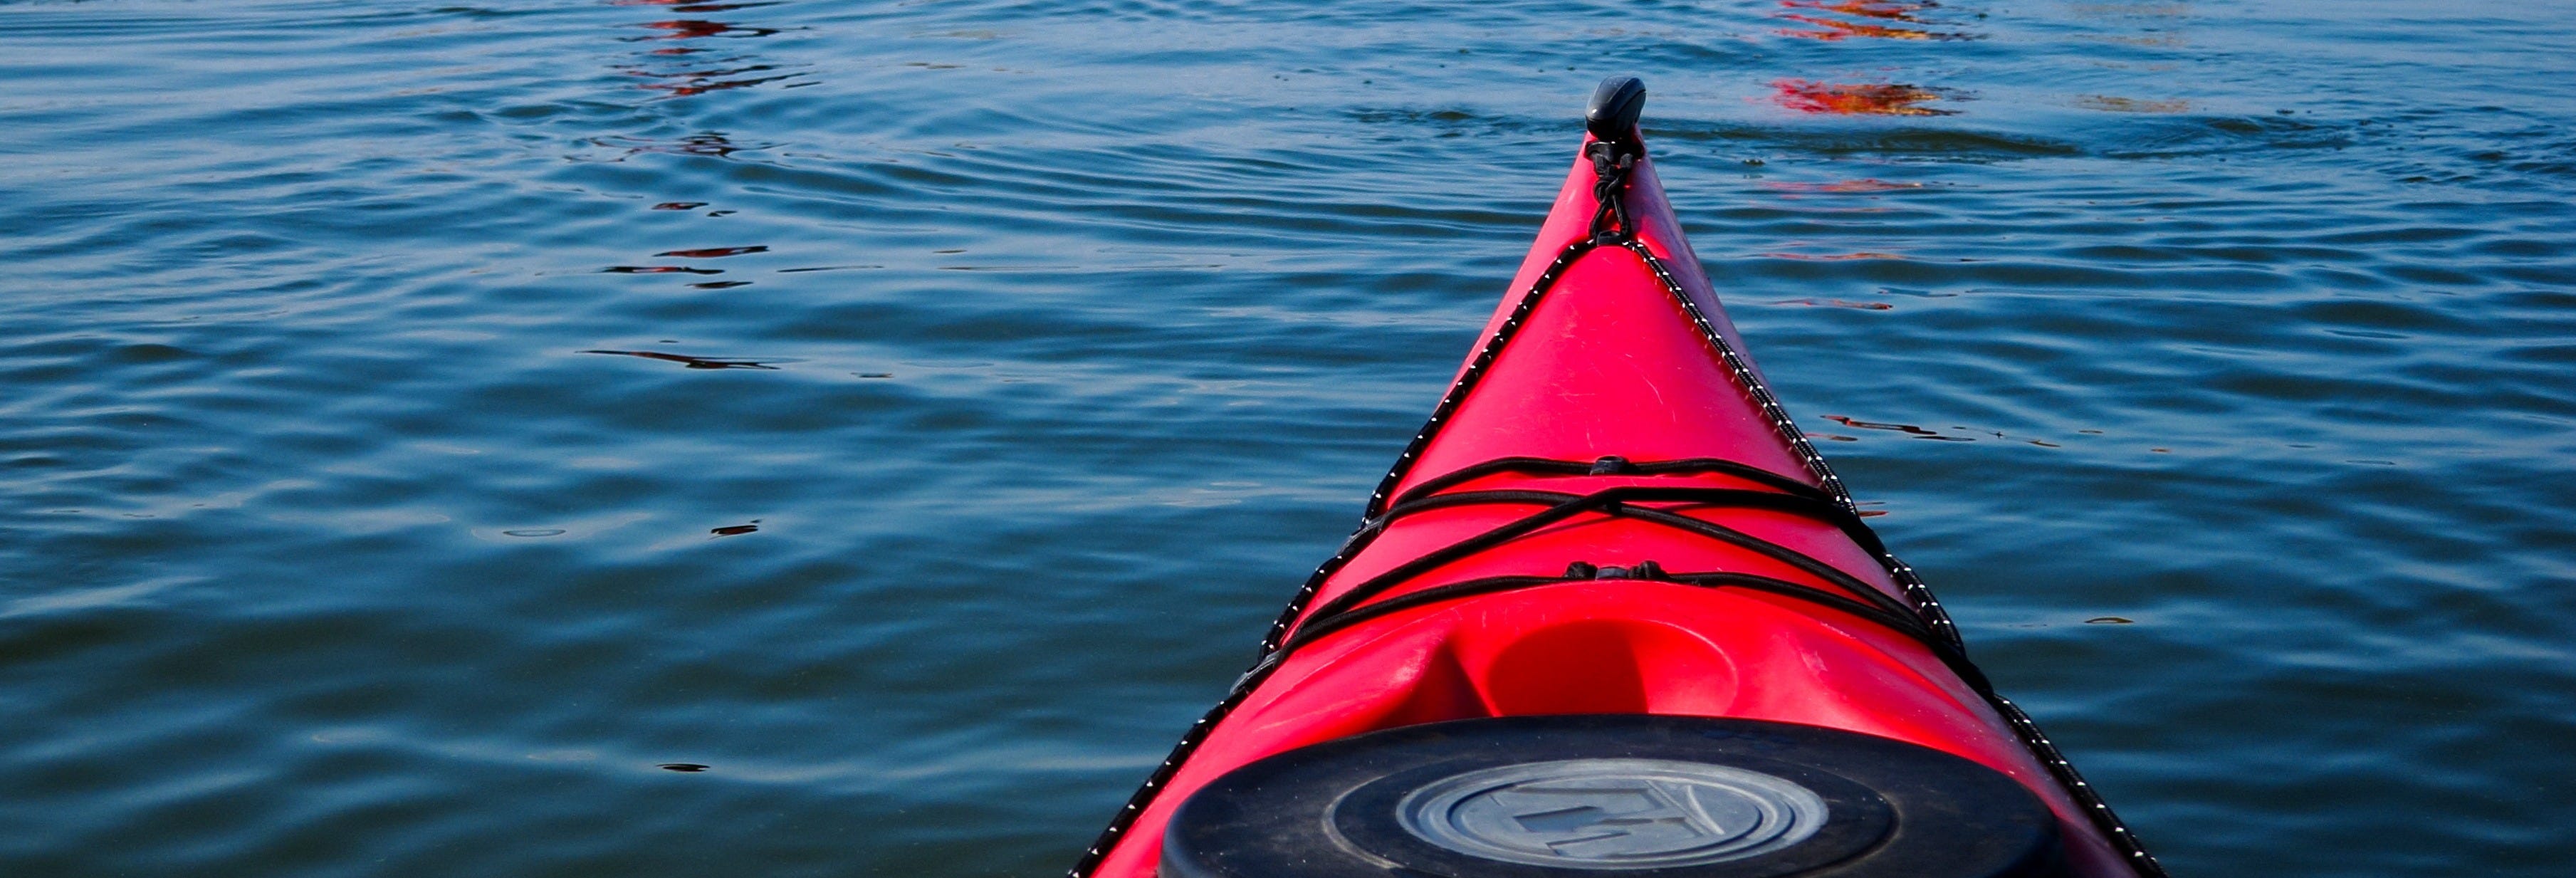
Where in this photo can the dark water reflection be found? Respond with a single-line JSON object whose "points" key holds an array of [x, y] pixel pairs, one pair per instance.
{"points": [[689, 361], [664, 438]]}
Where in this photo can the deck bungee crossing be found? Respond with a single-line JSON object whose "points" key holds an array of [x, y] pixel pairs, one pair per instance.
{"points": [[1611, 615]]}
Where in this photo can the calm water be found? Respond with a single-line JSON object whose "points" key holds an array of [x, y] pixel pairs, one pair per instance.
{"points": [[804, 438]]}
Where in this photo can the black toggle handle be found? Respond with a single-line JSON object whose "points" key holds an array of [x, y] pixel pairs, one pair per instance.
{"points": [[1615, 108]]}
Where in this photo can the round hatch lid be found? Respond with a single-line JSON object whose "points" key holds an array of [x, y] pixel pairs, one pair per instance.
{"points": [[1613, 797]]}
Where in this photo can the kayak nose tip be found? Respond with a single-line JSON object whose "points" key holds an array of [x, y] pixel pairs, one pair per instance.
{"points": [[1616, 105]]}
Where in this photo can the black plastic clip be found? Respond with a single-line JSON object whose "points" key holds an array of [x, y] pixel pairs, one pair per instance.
{"points": [[1611, 465], [1639, 570]]}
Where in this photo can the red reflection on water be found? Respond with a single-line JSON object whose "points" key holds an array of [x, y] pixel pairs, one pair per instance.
{"points": [[717, 76], [1835, 30], [713, 252], [691, 362], [1865, 8], [679, 205], [733, 530], [696, 28], [1855, 98], [659, 269]]}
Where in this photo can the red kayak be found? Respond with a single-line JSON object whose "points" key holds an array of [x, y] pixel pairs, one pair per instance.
{"points": [[1611, 615]]}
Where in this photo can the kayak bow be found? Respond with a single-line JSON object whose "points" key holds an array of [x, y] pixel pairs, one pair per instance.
{"points": [[1611, 613]]}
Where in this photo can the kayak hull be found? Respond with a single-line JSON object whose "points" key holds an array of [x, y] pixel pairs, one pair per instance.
{"points": [[1613, 351]]}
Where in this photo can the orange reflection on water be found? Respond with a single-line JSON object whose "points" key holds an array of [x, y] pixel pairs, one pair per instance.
{"points": [[1867, 99]]}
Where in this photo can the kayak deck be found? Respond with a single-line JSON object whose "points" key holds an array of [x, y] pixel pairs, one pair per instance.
{"points": [[1608, 513]]}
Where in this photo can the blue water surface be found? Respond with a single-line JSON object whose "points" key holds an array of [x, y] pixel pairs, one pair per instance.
{"points": [[650, 438]]}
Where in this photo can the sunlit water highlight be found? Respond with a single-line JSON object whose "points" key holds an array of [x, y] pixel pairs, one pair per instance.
{"points": [[792, 438]]}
